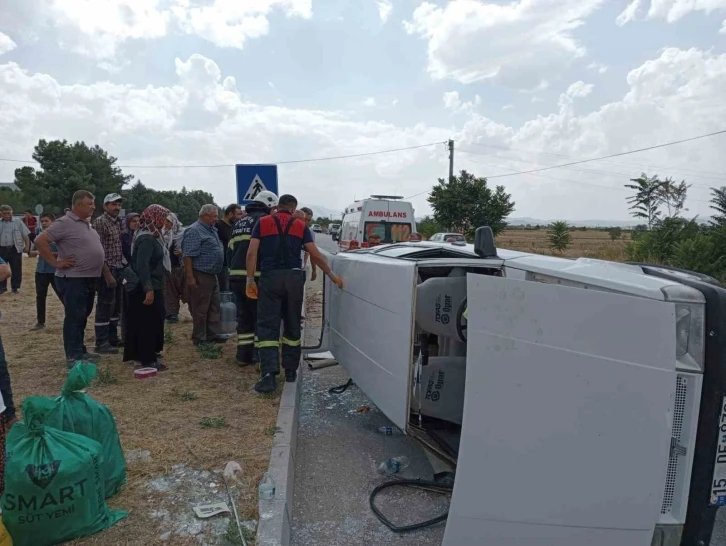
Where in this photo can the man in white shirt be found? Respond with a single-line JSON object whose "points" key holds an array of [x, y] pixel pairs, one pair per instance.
{"points": [[308, 219], [14, 240]]}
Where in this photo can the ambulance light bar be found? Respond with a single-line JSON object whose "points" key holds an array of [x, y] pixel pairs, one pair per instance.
{"points": [[386, 197]]}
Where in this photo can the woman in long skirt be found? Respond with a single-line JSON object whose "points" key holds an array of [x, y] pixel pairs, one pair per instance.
{"points": [[146, 310]]}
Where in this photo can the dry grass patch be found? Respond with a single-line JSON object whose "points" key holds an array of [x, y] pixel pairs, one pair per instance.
{"points": [[591, 243], [161, 414]]}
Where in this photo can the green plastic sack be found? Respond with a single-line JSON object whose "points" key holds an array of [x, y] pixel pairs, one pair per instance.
{"points": [[77, 412], [53, 483]]}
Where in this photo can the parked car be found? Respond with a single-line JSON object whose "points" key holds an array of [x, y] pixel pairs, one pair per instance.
{"points": [[334, 230], [580, 402], [316, 228], [445, 237]]}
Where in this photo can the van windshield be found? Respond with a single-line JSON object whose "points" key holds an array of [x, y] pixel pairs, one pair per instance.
{"points": [[390, 232]]}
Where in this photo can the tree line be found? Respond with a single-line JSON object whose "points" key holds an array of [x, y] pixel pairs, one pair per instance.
{"points": [[670, 239], [460, 204], [64, 168]]}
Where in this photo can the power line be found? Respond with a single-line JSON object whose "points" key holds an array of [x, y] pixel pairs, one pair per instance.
{"points": [[289, 162], [690, 172], [17, 160], [605, 173], [609, 156], [579, 182], [549, 177]]}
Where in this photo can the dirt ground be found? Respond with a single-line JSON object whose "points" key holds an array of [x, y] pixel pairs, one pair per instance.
{"points": [[161, 415], [590, 243]]}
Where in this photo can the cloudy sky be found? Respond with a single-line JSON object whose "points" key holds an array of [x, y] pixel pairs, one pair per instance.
{"points": [[518, 85]]}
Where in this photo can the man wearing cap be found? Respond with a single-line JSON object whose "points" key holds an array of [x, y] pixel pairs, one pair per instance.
{"points": [[110, 291]]}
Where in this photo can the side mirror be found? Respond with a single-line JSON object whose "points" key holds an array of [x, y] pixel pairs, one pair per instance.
{"points": [[484, 242]]}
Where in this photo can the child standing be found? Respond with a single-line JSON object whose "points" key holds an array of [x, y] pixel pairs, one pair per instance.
{"points": [[44, 274]]}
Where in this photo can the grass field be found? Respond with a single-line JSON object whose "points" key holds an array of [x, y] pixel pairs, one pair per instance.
{"points": [[170, 415], [585, 244]]}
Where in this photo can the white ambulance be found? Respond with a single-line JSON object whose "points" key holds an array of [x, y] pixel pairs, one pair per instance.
{"points": [[386, 215]]}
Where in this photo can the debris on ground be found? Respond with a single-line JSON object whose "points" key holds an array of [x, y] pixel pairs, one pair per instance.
{"points": [[208, 510], [363, 409], [177, 495], [138, 456]]}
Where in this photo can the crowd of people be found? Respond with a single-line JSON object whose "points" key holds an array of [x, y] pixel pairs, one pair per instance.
{"points": [[138, 270]]}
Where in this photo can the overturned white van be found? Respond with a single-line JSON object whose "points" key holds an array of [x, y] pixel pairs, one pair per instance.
{"points": [[582, 402]]}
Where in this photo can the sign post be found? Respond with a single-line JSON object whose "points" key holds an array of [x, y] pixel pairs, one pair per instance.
{"points": [[252, 179]]}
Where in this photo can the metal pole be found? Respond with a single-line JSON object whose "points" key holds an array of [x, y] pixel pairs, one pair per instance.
{"points": [[451, 159]]}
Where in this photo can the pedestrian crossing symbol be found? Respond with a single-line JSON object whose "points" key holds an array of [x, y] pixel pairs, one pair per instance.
{"points": [[252, 179], [255, 188]]}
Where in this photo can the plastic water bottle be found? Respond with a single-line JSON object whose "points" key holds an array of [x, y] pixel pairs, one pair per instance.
{"points": [[394, 465], [267, 487], [388, 430]]}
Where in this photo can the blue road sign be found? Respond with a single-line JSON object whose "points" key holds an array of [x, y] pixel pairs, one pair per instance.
{"points": [[252, 179]]}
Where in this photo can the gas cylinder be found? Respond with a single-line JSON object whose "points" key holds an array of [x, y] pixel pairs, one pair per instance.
{"points": [[228, 312]]}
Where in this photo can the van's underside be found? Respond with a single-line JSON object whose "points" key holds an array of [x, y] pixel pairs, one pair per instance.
{"points": [[439, 371]]}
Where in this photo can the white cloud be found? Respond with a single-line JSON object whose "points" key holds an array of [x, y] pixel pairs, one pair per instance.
{"points": [[629, 13], [579, 89], [271, 85], [229, 23], [202, 118], [6, 44], [536, 100], [98, 29], [384, 9], [601, 68], [507, 107], [671, 10], [452, 100], [369, 101], [519, 44], [88, 27]]}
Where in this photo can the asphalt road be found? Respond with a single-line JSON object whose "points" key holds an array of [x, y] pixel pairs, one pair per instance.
{"points": [[325, 242], [337, 453], [362, 447]]}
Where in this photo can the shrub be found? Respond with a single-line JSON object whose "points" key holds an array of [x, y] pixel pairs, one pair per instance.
{"points": [[559, 236]]}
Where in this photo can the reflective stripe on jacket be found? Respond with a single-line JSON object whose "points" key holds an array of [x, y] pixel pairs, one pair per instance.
{"points": [[240, 242]]}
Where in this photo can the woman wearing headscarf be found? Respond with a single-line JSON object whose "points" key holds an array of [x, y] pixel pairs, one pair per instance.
{"points": [[174, 282], [150, 261]]}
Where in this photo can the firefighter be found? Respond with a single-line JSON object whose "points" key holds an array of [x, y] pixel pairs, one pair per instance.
{"points": [[237, 260], [277, 243]]}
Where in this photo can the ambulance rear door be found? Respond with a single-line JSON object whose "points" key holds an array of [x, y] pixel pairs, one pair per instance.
{"points": [[391, 219]]}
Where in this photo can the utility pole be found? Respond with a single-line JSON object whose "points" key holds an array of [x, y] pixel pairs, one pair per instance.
{"points": [[451, 159], [451, 166]]}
